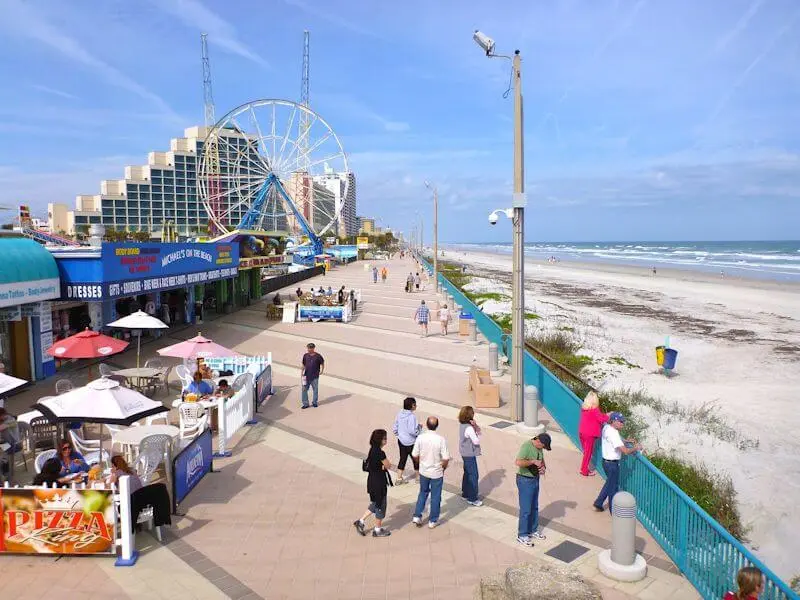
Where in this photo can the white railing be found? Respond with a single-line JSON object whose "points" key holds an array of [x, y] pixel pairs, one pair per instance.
{"points": [[234, 413], [240, 364]]}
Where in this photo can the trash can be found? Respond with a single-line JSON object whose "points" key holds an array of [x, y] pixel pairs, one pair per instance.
{"points": [[670, 358], [463, 323], [660, 355]]}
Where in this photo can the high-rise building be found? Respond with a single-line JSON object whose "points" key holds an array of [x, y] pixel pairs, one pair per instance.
{"points": [[342, 187], [366, 225]]}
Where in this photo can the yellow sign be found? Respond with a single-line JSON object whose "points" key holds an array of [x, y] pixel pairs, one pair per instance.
{"points": [[362, 243]]}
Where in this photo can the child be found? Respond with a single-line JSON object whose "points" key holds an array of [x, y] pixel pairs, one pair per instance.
{"points": [[750, 582]]}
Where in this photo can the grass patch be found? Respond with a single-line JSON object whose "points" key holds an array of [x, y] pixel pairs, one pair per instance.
{"points": [[713, 492], [504, 320], [567, 329], [482, 297], [618, 360], [560, 346], [794, 583]]}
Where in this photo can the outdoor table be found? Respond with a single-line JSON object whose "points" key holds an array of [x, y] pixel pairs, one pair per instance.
{"points": [[139, 373], [210, 404], [29, 416], [131, 437]]}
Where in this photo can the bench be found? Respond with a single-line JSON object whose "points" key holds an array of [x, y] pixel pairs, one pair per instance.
{"points": [[485, 391]]}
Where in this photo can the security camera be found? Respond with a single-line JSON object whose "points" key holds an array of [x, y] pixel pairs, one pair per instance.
{"points": [[484, 41], [493, 218]]}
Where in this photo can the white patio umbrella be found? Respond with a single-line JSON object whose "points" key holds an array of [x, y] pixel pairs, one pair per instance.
{"points": [[99, 401], [139, 320], [8, 383]]}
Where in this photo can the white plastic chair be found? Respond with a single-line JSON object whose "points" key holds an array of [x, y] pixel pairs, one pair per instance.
{"points": [[42, 458], [152, 419], [90, 449], [105, 370], [182, 371], [154, 363], [192, 420], [63, 385], [152, 452]]}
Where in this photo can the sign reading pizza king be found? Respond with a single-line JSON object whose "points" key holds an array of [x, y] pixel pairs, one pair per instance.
{"points": [[57, 521]]}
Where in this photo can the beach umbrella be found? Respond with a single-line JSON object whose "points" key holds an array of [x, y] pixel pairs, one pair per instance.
{"points": [[99, 401], [197, 347], [8, 383], [87, 344], [139, 320]]}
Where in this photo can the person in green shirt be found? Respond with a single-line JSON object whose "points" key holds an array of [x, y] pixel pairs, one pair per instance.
{"points": [[530, 466]]}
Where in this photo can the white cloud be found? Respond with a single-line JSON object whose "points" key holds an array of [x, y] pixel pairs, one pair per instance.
{"points": [[19, 20], [332, 18], [220, 32], [353, 108], [55, 92], [740, 27]]}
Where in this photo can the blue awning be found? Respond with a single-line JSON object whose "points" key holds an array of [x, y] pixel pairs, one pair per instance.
{"points": [[22, 260]]}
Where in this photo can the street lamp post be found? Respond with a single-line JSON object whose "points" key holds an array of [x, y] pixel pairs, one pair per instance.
{"points": [[518, 219], [435, 234]]}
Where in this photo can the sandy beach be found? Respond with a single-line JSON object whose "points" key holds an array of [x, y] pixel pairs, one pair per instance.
{"points": [[739, 349]]}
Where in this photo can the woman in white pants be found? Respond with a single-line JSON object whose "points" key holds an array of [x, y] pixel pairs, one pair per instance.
{"points": [[444, 318]]}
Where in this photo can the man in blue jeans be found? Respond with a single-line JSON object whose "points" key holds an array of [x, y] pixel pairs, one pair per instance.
{"points": [[613, 448], [431, 450], [530, 466], [313, 367]]}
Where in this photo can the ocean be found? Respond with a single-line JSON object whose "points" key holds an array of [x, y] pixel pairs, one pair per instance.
{"points": [[776, 260]]}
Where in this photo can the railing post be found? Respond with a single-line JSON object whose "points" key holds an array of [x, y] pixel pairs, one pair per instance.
{"points": [[683, 535], [127, 539]]}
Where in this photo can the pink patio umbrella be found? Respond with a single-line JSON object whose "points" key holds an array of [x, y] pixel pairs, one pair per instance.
{"points": [[197, 347]]}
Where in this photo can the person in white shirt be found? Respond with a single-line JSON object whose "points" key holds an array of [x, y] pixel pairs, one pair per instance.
{"points": [[444, 318], [431, 449], [613, 448]]}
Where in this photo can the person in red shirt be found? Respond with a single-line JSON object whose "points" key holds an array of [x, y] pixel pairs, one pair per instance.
{"points": [[591, 423], [750, 582]]}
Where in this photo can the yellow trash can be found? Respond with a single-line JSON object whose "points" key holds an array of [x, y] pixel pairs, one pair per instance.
{"points": [[660, 355]]}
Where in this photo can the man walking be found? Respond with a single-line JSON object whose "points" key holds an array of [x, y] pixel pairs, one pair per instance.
{"points": [[530, 467], [422, 316], [410, 282], [431, 450], [374, 274], [313, 367], [613, 447]]}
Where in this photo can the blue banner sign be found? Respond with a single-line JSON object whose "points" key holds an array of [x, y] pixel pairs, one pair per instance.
{"points": [[190, 466], [320, 312]]}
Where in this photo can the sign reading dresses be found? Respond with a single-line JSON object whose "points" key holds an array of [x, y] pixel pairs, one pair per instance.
{"points": [[130, 269], [190, 466]]}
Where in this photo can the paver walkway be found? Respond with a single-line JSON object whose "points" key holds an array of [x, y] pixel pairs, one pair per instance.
{"points": [[275, 520]]}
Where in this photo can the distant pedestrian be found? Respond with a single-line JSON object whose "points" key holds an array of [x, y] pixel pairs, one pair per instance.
{"points": [[353, 301], [329, 291], [406, 428], [384, 273], [530, 467], [422, 316], [374, 274], [341, 295], [654, 271], [469, 445], [750, 582], [591, 424], [613, 448], [313, 366], [444, 318], [410, 282], [299, 293], [417, 281], [431, 449], [378, 482]]}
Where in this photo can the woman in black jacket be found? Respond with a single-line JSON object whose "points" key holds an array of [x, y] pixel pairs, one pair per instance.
{"points": [[51, 474], [378, 482]]}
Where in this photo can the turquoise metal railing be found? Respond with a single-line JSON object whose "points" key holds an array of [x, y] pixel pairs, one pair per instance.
{"points": [[703, 550]]}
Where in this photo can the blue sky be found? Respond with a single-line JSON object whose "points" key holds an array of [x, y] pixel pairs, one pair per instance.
{"points": [[644, 120]]}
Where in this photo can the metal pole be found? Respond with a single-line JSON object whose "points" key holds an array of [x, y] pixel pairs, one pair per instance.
{"points": [[435, 238], [518, 275]]}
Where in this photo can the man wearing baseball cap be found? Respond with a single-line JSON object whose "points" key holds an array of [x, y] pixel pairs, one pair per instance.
{"points": [[530, 467], [613, 448]]}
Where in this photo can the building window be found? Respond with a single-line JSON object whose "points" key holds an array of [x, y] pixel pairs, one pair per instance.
{"points": [[94, 219]]}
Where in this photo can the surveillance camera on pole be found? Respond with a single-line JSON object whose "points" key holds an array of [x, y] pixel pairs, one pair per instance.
{"points": [[484, 41]]}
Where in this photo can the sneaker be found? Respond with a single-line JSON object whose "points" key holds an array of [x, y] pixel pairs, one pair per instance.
{"points": [[304, 407], [417, 521], [315, 405], [400, 481], [382, 532], [598, 508], [524, 540], [359, 525], [432, 524], [474, 502], [537, 536]]}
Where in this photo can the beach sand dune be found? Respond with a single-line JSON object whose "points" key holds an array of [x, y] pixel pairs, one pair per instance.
{"points": [[739, 363]]}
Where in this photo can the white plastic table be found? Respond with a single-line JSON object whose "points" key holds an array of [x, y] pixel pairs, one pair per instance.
{"points": [[131, 437], [29, 416]]}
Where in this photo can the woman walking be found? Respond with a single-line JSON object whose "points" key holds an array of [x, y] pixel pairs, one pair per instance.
{"points": [[469, 444], [406, 428], [592, 420], [444, 318], [378, 482]]}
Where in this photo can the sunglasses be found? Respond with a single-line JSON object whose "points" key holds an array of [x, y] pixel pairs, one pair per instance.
{"points": [[65, 448]]}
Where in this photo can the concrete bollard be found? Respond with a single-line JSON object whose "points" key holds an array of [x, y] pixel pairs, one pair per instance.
{"points": [[621, 562], [494, 362], [530, 425], [472, 332]]}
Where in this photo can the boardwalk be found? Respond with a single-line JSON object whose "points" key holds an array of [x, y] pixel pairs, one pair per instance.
{"points": [[275, 520]]}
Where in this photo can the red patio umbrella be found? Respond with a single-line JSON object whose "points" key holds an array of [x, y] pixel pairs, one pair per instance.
{"points": [[87, 344]]}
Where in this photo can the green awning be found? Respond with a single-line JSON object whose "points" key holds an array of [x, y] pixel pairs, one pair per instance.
{"points": [[22, 259]]}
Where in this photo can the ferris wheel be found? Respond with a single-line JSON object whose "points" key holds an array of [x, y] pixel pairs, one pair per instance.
{"points": [[273, 165]]}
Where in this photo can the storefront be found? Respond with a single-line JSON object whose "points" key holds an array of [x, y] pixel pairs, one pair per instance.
{"points": [[165, 280], [28, 280]]}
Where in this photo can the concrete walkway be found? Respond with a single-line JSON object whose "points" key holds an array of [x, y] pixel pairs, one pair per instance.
{"points": [[275, 520]]}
